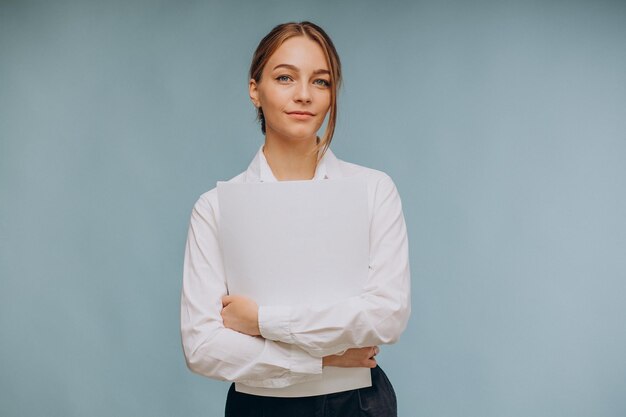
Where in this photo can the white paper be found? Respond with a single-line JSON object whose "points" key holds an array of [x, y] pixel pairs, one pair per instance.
{"points": [[295, 242]]}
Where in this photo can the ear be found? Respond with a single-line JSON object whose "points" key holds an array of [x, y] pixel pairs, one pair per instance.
{"points": [[254, 93]]}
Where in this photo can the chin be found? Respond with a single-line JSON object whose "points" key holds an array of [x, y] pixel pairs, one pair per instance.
{"points": [[297, 133], [300, 136]]}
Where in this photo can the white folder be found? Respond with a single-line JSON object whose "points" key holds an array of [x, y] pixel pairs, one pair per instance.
{"points": [[297, 242]]}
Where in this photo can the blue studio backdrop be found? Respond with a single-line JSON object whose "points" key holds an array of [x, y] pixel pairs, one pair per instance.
{"points": [[503, 125]]}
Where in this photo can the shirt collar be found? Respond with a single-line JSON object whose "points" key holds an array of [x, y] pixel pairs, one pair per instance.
{"points": [[259, 170]]}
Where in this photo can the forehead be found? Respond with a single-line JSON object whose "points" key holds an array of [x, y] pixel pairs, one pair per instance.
{"points": [[301, 52]]}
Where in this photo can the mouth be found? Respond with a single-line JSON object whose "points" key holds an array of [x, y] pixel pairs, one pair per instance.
{"points": [[300, 115]]}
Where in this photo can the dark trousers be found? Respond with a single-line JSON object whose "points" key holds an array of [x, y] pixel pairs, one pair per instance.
{"points": [[379, 400]]}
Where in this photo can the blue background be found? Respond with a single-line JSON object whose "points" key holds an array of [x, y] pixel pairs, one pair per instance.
{"points": [[502, 123]]}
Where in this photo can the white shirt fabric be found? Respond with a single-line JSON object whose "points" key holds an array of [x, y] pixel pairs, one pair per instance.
{"points": [[294, 338]]}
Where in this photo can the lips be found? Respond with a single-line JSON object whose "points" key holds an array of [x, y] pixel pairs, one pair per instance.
{"points": [[300, 115]]}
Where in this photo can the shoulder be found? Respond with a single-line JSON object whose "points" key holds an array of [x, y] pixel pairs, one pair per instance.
{"points": [[382, 193], [207, 202], [377, 181], [384, 203]]}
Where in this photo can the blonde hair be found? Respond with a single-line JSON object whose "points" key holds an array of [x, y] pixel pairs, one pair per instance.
{"points": [[273, 40]]}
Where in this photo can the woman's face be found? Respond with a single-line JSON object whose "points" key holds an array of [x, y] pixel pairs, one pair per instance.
{"points": [[294, 91]]}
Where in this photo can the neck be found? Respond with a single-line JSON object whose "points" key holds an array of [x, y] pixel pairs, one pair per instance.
{"points": [[291, 160]]}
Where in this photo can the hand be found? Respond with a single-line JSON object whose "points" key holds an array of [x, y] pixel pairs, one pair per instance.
{"points": [[241, 314], [353, 358]]}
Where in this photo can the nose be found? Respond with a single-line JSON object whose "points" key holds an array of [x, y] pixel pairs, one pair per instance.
{"points": [[302, 93]]}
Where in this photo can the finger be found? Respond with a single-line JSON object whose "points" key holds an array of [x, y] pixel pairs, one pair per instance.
{"points": [[372, 352], [227, 299]]}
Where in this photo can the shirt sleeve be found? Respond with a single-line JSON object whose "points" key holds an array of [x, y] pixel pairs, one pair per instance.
{"points": [[210, 348], [376, 316]]}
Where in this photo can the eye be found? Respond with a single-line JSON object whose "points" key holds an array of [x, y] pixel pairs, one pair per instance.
{"points": [[283, 78], [321, 82]]}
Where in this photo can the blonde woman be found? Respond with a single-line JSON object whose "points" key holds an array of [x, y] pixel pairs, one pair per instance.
{"points": [[294, 79]]}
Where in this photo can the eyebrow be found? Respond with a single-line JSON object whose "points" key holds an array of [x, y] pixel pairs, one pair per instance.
{"points": [[294, 68]]}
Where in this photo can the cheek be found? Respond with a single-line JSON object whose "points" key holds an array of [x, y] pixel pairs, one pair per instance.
{"points": [[323, 99], [274, 99]]}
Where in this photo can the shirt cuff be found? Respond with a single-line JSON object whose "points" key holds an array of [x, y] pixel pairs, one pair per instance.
{"points": [[274, 323], [303, 363], [298, 367]]}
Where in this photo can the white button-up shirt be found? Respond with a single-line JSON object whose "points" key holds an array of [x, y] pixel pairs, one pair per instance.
{"points": [[294, 338]]}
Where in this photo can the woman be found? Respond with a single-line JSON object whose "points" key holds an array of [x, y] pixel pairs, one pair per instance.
{"points": [[294, 77]]}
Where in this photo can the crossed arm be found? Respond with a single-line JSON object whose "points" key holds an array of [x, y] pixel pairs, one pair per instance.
{"points": [[241, 314], [220, 332]]}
